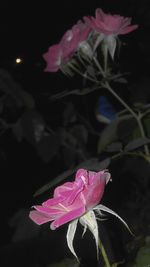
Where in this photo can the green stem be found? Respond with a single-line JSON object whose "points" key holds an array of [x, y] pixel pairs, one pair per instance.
{"points": [[99, 67], [105, 59], [81, 74], [121, 154], [108, 87], [104, 254], [138, 119]]}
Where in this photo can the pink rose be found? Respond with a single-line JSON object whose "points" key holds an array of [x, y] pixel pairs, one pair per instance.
{"points": [[53, 58], [60, 54], [110, 24], [72, 199]]}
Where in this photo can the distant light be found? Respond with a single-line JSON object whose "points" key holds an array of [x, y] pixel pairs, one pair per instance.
{"points": [[18, 60]]}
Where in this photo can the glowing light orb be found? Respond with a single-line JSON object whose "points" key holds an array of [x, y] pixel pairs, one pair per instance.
{"points": [[18, 60]]}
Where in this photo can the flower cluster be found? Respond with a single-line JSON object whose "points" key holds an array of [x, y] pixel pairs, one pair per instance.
{"points": [[102, 29]]}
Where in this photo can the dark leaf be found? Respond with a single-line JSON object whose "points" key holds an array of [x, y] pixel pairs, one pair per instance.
{"points": [[136, 144], [119, 128], [126, 127], [95, 165], [14, 90], [114, 147], [108, 135]]}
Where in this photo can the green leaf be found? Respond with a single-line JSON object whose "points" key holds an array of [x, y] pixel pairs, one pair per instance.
{"points": [[108, 135], [136, 144], [114, 147], [14, 90]]}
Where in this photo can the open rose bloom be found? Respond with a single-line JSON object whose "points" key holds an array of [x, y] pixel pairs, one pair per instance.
{"points": [[73, 202], [59, 54], [106, 27], [110, 24]]}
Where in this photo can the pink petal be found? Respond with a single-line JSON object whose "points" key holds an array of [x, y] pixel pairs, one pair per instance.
{"points": [[69, 216], [62, 189], [129, 29], [49, 211], [69, 192], [82, 176], [110, 24], [39, 218], [99, 14], [53, 201], [94, 192], [53, 58], [95, 176]]}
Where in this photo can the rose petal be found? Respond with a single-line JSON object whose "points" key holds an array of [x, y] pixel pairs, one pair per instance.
{"points": [[69, 216], [50, 211], [53, 58], [39, 218]]}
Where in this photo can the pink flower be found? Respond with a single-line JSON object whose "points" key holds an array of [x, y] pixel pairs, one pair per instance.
{"points": [[53, 58], [110, 24], [60, 54], [72, 199], [108, 27]]}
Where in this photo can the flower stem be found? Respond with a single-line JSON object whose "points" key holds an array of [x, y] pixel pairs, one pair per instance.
{"points": [[99, 67], [138, 118], [82, 74], [105, 59], [104, 254], [108, 87]]}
